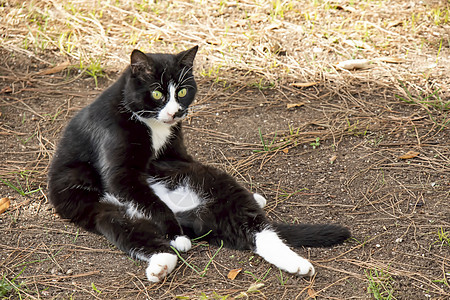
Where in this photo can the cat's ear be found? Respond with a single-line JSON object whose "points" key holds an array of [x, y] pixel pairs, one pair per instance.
{"points": [[186, 58], [140, 63]]}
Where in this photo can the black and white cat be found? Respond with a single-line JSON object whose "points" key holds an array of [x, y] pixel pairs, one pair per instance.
{"points": [[122, 170]]}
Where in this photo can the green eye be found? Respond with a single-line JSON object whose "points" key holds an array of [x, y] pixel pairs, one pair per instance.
{"points": [[182, 93], [156, 95]]}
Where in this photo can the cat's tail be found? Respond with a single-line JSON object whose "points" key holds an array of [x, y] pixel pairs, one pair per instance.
{"points": [[312, 235]]}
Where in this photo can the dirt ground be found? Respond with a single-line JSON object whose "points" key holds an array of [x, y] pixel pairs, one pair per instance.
{"points": [[370, 154]]}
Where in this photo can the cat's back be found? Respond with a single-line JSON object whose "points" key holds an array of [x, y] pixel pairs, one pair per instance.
{"points": [[91, 125]]}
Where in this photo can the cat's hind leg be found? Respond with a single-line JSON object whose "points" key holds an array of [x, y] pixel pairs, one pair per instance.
{"points": [[269, 246], [137, 235]]}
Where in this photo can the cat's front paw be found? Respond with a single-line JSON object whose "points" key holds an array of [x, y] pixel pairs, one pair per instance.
{"points": [[260, 200], [181, 243], [160, 265]]}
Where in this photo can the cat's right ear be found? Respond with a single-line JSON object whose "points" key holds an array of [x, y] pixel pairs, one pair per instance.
{"points": [[140, 63]]}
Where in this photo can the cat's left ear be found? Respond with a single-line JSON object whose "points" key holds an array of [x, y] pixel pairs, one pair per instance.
{"points": [[140, 63], [186, 58]]}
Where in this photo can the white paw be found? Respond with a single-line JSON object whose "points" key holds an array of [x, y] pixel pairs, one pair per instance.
{"points": [[181, 243], [260, 200], [302, 267], [160, 265], [270, 247]]}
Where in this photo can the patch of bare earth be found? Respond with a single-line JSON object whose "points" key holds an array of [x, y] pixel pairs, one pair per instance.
{"points": [[368, 148]]}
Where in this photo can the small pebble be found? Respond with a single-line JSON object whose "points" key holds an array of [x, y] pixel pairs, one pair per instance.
{"points": [[378, 245], [399, 240], [69, 272]]}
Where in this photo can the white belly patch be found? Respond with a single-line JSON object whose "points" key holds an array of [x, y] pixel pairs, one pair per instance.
{"points": [[183, 198]]}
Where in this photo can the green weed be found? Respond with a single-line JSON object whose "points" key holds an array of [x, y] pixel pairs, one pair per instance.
{"points": [[93, 69], [439, 16], [443, 280], [8, 286], [95, 288], [24, 188], [434, 105], [263, 84], [51, 257], [199, 272], [316, 143], [256, 278], [380, 284], [214, 296], [288, 195], [432, 100], [443, 237], [264, 144], [67, 42], [355, 129], [281, 279]]}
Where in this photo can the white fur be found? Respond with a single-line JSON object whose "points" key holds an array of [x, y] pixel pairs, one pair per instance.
{"points": [[172, 106], [181, 243], [131, 210], [260, 200], [270, 247], [160, 265], [111, 199], [181, 199], [161, 133]]}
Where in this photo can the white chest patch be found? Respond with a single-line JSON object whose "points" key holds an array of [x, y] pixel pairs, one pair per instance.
{"points": [[161, 133], [183, 198]]}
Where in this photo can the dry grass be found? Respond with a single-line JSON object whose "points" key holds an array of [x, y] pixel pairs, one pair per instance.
{"points": [[253, 55]]}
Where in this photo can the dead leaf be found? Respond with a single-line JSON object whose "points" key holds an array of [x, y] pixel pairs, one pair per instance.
{"points": [[394, 23], [393, 60], [303, 84], [4, 204], [255, 287], [286, 150], [6, 89], [409, 155], [311, 293], [354, 64], [274, 25], [233, 273], [55, 69], [358, 44], [333, 159], [346, 8], [214, 42], [292, 105]]}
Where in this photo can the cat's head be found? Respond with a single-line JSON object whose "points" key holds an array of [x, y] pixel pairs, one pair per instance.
{"points": [[161, 86]]}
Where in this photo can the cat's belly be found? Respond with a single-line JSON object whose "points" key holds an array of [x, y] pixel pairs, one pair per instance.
{"points": [[183, 198]]}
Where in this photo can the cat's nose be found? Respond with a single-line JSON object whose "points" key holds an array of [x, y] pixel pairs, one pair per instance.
{"points": [[171, 115]]}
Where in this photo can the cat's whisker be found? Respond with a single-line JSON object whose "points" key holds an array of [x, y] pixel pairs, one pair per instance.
{"points": [[180, 77], [189, 78], [162, 77], [187, 85], [155, 83], [195, 108], [184, 73]]}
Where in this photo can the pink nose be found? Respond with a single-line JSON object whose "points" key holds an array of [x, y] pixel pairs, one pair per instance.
{"points": [[171, 115]]}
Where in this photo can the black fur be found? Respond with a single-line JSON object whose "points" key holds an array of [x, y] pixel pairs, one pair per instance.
{"points": [[106, 149]]}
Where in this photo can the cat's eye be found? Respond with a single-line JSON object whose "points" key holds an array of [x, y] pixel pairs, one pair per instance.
{"points": [[156, 95], [182, 93]]}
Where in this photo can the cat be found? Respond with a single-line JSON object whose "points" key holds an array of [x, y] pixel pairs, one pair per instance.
{"points": [[121, 170]]}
